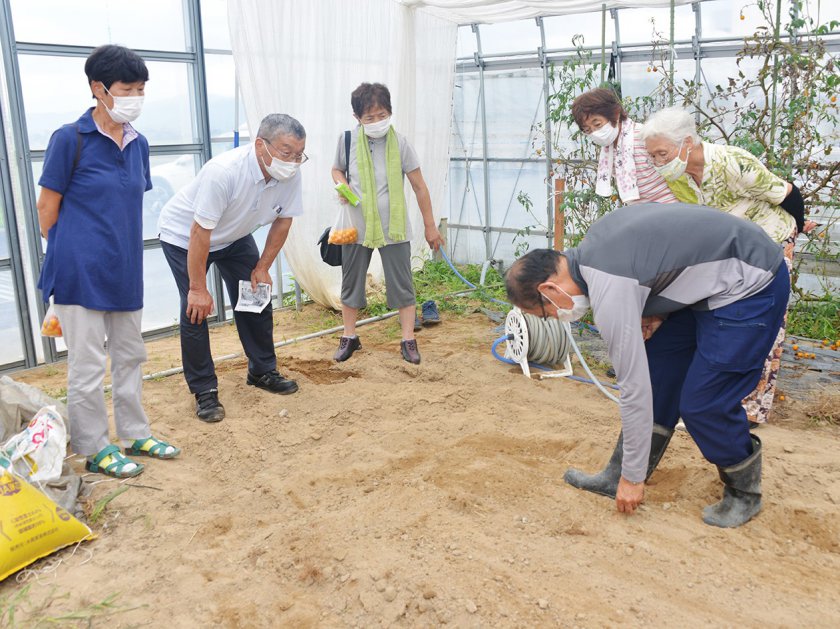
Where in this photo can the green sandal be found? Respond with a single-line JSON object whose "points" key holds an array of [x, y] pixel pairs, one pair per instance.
{"points": [[152, 447], [115, 467]]}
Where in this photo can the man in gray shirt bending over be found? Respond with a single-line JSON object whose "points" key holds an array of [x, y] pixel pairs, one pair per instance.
{"points": [[710, 291]]}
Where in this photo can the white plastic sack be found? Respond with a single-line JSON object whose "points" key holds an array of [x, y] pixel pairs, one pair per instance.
{"points": [[37, 452]]}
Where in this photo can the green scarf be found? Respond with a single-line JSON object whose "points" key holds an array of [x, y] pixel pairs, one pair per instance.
{"points": [[374, 236]]}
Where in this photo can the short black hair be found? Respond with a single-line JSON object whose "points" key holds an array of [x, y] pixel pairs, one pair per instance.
{"points": [[369, 95], [527, 273], [111, 63]]}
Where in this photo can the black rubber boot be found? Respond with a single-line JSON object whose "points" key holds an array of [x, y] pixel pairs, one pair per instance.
{"points": [[741, 492], [605, 482]]}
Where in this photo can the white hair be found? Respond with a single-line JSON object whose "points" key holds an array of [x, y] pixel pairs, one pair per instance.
{"points": [[672, 123]]}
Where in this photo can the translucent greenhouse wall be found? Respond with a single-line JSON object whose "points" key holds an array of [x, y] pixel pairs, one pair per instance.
{"points": [[498, 151]]}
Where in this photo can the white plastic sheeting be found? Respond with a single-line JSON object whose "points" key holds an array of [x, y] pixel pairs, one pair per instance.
{"points": [[305, 58], [490, 11]]}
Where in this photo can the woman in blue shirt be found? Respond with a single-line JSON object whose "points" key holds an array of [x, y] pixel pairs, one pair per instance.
{"points": [[90, 210]]}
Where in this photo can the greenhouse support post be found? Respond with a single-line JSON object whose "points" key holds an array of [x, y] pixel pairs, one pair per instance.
{"points": [[671, 60], [776, 40], [604, 40], [480, 63], [549, 208]]}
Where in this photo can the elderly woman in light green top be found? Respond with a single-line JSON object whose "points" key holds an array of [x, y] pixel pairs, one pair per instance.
{"points": [[730, 179]]}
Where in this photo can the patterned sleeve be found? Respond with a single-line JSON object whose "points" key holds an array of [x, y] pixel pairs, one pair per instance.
{"points": [[749, 178]]}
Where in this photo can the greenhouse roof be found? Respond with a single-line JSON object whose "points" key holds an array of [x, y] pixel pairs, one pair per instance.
{"points": [[489, 11]]}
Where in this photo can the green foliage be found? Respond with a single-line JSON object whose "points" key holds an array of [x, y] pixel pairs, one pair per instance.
{"points": [[436, 281], [99, 507], [815, 319]]}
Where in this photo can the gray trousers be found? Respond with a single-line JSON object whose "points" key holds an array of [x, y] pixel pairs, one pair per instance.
{"points": [[396, 266], [84, 333]]}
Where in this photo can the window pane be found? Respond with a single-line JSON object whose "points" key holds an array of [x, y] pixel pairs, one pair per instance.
{"points": [[11, 348], [56, 92], [642, 26], [559, 30], [221, 94], [214, 24], [466, 42], [168, 116], [514, 103], [4, 232], [147, 25], [520, 36], [722, 18], [466, 126], [170, 173], [161, 303], [638, 78]]}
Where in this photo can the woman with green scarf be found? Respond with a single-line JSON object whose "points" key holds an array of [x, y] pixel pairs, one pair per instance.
{"points": [[379, 157]]}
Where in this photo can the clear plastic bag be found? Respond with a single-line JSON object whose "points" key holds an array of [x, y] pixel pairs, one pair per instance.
{"points": [[343, 231], [51, 325]]}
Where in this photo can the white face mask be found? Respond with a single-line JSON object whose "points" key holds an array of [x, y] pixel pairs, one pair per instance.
{"points": [[604, 136], [674, 169], [580, 306], [280, 170], [377, 129], [126, 108]]}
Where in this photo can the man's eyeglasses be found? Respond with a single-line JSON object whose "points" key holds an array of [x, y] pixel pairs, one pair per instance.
{"points": [[286, 156]]}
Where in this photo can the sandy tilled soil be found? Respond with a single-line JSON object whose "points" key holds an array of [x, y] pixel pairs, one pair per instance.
{"points": [[384, 494]]}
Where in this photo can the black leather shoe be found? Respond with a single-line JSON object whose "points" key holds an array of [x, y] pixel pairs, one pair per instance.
{"points": [[274, 382], [346, 347], [208, 408], [409, 351]]}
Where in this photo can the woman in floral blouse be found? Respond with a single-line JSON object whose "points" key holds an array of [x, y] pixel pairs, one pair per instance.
{"points": [[730, 179]]}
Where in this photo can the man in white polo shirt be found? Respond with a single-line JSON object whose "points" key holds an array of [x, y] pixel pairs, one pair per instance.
{"points": [[211, 221]]}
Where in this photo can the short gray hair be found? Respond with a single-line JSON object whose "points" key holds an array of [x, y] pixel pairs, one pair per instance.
{"points": [[672, 123], [275, 125]]}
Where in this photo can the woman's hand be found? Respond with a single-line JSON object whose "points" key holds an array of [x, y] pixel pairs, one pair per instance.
{"points": [[433, 237], [809, 227]]}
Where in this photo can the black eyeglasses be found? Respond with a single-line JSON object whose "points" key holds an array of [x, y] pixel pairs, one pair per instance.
{"points": [[286, 156]]}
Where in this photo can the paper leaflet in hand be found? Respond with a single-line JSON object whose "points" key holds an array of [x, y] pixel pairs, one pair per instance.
{"points": [[250, 300]]}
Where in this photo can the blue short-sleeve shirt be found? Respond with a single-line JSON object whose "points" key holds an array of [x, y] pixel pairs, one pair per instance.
{"points": [[94, 253]]}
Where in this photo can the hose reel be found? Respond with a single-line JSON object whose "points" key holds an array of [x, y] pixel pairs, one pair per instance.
{"points": [[543, 341]]}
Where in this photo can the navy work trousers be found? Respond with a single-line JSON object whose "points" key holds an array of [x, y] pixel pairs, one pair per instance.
{"points": [[703, 363], [256, 330]]}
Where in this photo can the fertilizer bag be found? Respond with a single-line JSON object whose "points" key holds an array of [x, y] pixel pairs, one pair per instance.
{"points": [[31, 525]]}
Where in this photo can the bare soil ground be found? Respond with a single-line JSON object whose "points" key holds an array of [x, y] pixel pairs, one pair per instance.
{"points": [[384, 494]]}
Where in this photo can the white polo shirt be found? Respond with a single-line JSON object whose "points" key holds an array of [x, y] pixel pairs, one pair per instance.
{"points": [[229, 196]]}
